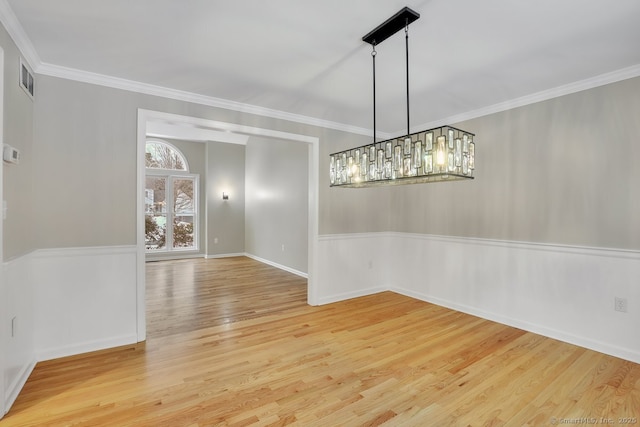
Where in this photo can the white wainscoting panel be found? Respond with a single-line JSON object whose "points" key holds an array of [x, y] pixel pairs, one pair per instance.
{"points": [[562, 292], [85, 299], [352, 265], [18, 324]]}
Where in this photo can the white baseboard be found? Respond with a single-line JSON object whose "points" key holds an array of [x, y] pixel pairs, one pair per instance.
{"points": [[216, 256], [233, 255], [86, 347], [350, 295], [581, 341], [13, 390], [151, 257], [560, 291], [276, 265]]}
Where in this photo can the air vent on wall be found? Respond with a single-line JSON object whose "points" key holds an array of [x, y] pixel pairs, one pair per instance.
{"points": [[26, 78]]}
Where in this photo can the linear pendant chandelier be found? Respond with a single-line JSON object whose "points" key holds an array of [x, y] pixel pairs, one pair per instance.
{"points": [[440, 154]]}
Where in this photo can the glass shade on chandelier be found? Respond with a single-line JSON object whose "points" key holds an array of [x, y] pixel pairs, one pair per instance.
{"points": [[440, 154]]}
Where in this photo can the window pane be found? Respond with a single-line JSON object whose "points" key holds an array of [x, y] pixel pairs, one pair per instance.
{"points": [[155, 195], [171, 213], [183, 195], [155, 232], [183, 232], [160, 155], [155, 219]]}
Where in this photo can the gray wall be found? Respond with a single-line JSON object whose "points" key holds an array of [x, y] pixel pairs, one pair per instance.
{"points": [[85, 168], [528, 185], [85, 137], [350, 210], [18, 179], [225, 218], [563, 171], [277, 201], [16, 293]]}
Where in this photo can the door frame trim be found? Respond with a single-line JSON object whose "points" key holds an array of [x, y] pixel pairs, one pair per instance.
{"points": [[145, 116]]}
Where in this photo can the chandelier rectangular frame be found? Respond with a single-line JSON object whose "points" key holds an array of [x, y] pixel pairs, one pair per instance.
{"points": [[444, 153]]}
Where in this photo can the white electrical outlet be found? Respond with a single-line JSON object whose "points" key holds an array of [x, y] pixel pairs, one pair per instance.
{"points": [[283, 247], [620, 304], [215, 240]]}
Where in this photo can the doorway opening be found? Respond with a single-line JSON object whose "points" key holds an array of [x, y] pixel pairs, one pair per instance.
{"points": [[148, 118]]}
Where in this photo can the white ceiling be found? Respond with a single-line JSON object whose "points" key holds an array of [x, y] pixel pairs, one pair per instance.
{"points": [[307, 58]]}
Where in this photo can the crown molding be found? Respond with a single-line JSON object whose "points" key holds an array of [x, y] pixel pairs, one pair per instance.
{"points": [[179, 95], [25, 46], [118, 83], [19, 36], [590, 83], [22, 41]]}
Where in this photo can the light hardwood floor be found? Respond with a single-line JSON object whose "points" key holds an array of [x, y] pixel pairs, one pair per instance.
{"points": [[232, 342]]}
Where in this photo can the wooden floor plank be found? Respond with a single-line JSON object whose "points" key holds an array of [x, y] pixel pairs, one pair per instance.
{"points": [[232, 342]]}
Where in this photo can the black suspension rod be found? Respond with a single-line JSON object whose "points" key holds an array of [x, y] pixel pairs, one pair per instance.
{"points": [[373, 56], [406, 37]]}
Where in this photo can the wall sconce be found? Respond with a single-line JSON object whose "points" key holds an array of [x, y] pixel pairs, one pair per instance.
{"points": [[225, 196]]}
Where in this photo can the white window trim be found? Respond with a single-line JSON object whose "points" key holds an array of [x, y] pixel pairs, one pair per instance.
{"points": [[171, 175]]}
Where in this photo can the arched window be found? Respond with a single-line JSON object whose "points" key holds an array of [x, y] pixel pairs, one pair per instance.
{"points": [[171, 205], [162, 155]]}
